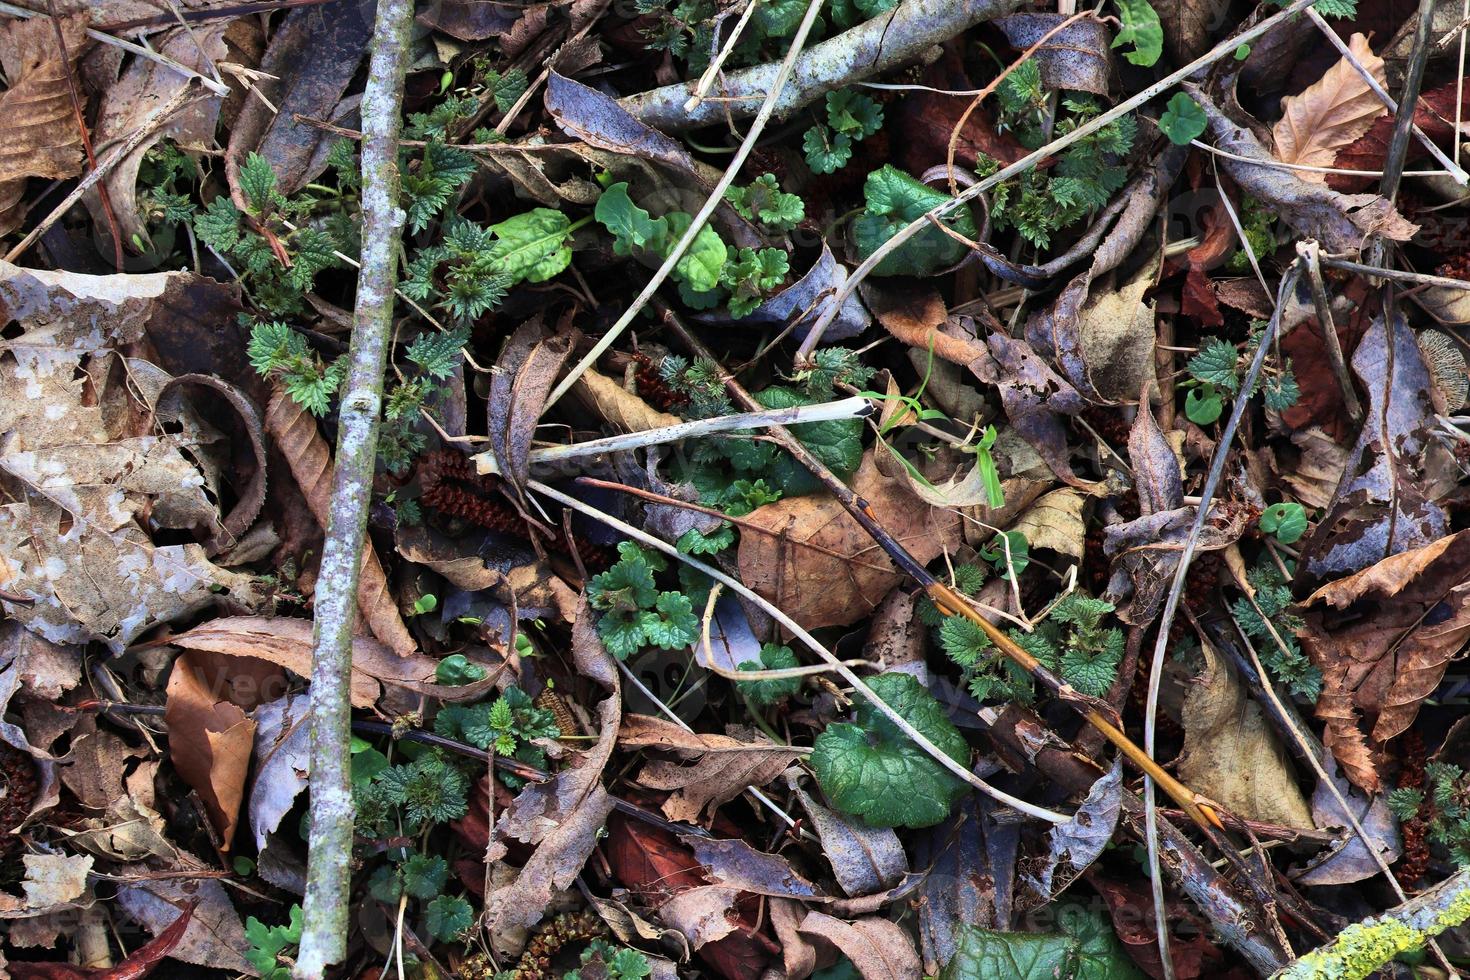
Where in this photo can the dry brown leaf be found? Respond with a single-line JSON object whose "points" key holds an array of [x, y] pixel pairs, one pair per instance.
{"points": [[93, 470], [295, 432], [522, 379], [619, 406], [562, 817], [144, 86], [210, 744], [878, 948], [39, 135], [1117, 335], [1411, 617], [916, 317], [287, 643], [725, 766], [1055, 522], [1232, 754], [702, 914], [818, 564], [1332, 113]]}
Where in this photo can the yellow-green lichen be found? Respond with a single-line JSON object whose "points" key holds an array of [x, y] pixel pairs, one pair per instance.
{"points": [[1364, 947]]}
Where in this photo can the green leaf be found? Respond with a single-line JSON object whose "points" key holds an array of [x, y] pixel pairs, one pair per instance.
{"points": [[671, 625], [836, 442], [1202, 405], [1020, 551], [826, 152], [1183, 120], [457, 669], [449, 917], [218, 225], [631, 226], [895, 199], [873, 771], [424, 876], [703, 261], [1215, 364], [853, 113], [533, 246], [1286, 520], [696, 542], [772, 657], [1142, 29], [438, 354], [258, 184], [1086, 949]]}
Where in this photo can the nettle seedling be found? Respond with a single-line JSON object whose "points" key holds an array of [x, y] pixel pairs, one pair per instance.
{"points": [[1073, 642], [1280, 653], [1040, 203], [278, 262], [1217, 369]]}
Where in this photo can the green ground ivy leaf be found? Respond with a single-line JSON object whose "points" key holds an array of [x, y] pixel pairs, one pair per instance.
{"points": [[1183, 120], [1141, 27], [631, 226], [894, 199], [1086, 949], [701, 264], [533, 246], [874, 771]]}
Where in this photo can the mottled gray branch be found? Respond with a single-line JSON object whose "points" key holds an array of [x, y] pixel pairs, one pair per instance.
{"points": [[329, 856], [870, 48]]}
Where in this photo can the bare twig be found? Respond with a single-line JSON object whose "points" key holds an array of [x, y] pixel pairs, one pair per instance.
{"points": [[1311, 255], [1398, 144], [868, 49], [1171, 603], [329, 871], [716, 197]]}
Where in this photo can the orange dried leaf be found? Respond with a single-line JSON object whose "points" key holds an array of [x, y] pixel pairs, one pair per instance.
{"points": [[1330, 114]]}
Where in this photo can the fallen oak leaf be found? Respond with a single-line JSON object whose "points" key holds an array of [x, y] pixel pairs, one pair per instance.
{"points": [[1329, 115], [725, 766]]}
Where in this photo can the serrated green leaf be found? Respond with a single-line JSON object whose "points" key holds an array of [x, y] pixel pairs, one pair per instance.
{"points": [[1142, 29], [532, 247], [873, 771], [424, 876], [449, 917], [703, 261], [258, 183], [772, 657], [1183, 120], [1215, 364], [826, 151]]}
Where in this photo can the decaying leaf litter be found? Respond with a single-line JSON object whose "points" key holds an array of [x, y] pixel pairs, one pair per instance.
{"points": [[870, 488]]}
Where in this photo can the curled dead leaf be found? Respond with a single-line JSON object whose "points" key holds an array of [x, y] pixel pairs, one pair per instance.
{"points": [[295, 433]]}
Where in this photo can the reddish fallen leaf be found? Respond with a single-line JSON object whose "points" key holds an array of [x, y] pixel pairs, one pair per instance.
{"points": [[1435, 115], [1320, 403], [652, 864], [924, 121], [210, 745], [137, 965], [1132, 910]]}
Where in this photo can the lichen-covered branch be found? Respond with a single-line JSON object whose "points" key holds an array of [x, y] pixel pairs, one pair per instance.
{"points": [[1363, 947], [329, 864], [868, 49]]}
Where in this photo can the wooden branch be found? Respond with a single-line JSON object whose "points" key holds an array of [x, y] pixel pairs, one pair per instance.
{"points": [[329, 843]]}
